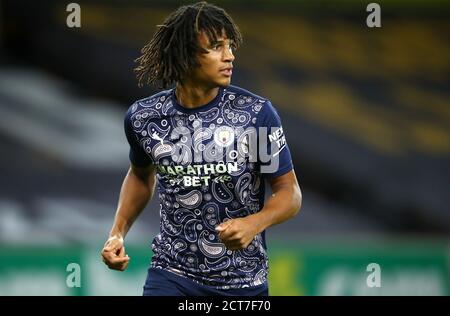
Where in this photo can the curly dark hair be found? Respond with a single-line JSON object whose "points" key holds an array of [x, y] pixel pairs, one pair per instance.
{"points": [[173, 50]]}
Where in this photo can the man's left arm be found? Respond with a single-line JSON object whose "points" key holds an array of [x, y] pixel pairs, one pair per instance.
{"points": [[284, 203]]}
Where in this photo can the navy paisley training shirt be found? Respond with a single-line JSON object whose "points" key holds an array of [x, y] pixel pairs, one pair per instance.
{"points": [[211, 163]]}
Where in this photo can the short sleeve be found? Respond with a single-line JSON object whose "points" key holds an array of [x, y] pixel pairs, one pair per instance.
{"points": [[274, 156], [137, 155]]}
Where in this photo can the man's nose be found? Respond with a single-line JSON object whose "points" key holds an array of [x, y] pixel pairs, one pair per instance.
{"points": [[228, 55]]}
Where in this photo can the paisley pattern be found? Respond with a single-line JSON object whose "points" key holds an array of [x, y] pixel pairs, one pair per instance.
{"points": [[234, 117], [209, 116], [218, 265], [190, 230], [212, 152], [160, 150], [210, 249], [182, 214], [190, 200], [241, 212], [241, 188], [197, 193], [210, 215], [221, 192]]}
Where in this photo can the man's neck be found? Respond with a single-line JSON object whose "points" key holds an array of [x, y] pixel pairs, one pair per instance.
{"points": [[192, 97]]}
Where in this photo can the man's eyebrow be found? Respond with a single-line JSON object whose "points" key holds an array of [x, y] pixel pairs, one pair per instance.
{"points": [[220, 41]]}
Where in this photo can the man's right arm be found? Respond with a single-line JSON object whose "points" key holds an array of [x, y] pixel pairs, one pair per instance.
{"points": [[137, 190]]}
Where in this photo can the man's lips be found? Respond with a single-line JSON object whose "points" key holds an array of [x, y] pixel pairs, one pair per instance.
{"points": [[227, 71]]}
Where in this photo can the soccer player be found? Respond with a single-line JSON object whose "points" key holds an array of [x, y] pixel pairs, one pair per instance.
{"points": [[208, 146]]}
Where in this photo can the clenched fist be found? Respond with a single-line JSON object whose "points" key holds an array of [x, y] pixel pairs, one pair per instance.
{"points": [[237, 233], [113, 254]]}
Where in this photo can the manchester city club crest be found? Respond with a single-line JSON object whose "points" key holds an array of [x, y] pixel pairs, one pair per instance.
{"points": [[224, 136]]}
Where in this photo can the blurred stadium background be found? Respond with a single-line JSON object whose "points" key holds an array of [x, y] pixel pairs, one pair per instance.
{"points": [[366, 113]]}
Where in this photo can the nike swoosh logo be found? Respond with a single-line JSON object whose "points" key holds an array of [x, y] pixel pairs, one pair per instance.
{"points": [[276, 154]]}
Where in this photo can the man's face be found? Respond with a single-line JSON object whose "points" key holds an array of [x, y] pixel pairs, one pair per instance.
{"points": [[215, 66]]}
